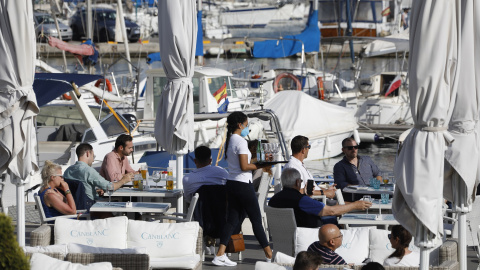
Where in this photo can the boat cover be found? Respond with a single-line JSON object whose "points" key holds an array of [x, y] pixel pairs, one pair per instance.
{"points": [[49, 86], [302, 114], [290, 45]]}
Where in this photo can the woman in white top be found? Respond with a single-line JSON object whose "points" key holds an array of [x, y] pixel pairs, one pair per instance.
{"points": [[240, 192], [400, 239]]}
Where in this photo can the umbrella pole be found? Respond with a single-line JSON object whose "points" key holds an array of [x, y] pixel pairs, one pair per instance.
{"points": [[424, 258], [20, 212], [179, 169], [462, 236]]}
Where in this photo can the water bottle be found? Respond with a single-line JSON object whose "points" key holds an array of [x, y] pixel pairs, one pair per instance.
{"points": [[259, 154], [262, 152]]}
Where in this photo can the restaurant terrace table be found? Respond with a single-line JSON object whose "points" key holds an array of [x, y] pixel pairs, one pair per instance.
{"points": [[381, 206], [151, 192], [368, 219], [384, 189], [137, 207]]}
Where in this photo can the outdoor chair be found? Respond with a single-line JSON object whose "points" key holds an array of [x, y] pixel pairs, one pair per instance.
{"points": [[179, 217], [282, 227], [44, 219]]}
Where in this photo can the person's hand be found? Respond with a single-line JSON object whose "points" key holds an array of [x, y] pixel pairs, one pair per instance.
{"points": [[269, 157], [127, 177], [64, 186], [330, 193], [332, 187], [100, 192], [362, 205]]}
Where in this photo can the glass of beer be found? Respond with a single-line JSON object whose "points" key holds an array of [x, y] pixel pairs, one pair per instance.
{"points": [[144, 172], [170, 179], [136, 180]]}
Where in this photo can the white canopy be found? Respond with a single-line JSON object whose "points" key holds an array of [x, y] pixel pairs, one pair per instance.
{"points": [[300, 113], [444, 95], [177, 27], [18, 105]]}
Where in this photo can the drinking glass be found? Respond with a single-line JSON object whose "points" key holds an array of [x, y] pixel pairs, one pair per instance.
{"points": [[367, 198], [110, 189], [144, 172], [156, 177]]}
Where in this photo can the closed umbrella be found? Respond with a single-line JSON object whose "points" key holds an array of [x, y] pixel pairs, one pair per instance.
{"points": [[177, 29], [438, 34], [18, 106]]}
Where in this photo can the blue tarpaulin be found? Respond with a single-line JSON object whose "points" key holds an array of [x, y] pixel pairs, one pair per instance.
{"points": [[159, 159], [49, 86], [153, 57], [291, 45]]}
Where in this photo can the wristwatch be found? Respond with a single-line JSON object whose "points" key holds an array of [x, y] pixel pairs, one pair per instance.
{"points": [[321, 192]]}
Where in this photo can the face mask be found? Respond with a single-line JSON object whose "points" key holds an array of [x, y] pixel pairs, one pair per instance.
{"points": [[245, 132]]}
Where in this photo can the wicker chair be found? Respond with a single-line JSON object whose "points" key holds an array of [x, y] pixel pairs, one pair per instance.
{"points": [[282, 226]]}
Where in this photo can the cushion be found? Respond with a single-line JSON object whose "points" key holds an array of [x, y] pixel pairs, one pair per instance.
{"points": [[282, 258], [270, 266], [304, 237], [40, 261], [184, 262], [109, 232], [163, 240], [62, 249], [354, 248], [79, 248]]}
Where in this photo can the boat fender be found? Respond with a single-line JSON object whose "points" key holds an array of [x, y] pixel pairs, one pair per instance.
{"points": [[356, 136], [321, 91], [109, 88], [286, 75], [66, 96]]}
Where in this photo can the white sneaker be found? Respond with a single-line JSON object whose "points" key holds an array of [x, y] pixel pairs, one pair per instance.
{"points": [[223, 261], [268, 260]]}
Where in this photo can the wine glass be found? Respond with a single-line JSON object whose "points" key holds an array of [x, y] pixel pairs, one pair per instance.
{"points": [[156, 177], [110, 189], [367, 198]]}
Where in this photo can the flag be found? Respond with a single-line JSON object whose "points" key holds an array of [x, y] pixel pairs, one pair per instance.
{"points": [[221, 93], [386, 12], [394, 85], [224, 107]]}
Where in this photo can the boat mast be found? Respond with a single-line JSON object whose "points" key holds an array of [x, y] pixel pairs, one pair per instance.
{"points": [[124, 35], [89, 28]]}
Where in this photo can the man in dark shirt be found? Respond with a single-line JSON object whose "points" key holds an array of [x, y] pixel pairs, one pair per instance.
{"points": [[307, 210], [330, 238], [354, 169]]}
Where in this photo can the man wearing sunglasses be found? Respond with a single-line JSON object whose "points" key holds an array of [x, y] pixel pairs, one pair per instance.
{"points": [[354, 169], [300, 148]]}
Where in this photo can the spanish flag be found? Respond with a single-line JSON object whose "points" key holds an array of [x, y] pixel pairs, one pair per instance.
{"points": [[221, 93], [386, 11]]}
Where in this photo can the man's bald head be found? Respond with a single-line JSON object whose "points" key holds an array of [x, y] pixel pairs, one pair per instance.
{"points": [[329, 236]]}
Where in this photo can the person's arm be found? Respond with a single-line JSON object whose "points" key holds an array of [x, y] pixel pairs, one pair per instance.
{"points": [[244, 165], [125, 179], [102, 183], [340, 176], [338, 210], [56, 202], [129, 169], [375, 170]]}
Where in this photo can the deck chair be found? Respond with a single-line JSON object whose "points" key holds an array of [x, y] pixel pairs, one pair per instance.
{"points": [[44, 219], [262, 198], [282, 227], [179, 217]]}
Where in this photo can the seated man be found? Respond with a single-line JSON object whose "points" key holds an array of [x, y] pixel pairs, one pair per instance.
{"points": [[83, 172], [330, 238], [115, 164], [205, 174], [300, 148], [307, 210], [354, 169], [307, 260]]}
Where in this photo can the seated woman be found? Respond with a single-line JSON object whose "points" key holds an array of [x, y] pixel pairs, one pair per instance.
{"points": [[400, 238], [55, 203]]}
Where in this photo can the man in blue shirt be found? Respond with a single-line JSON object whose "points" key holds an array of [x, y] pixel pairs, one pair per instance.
{"points": [[307, 210], [330, 238], [354, 169], [83, 172]]}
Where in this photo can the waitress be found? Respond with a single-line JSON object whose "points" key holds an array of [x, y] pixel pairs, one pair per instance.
{"points": [[240, 192]]}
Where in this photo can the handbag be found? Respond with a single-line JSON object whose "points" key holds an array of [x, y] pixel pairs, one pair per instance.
{"points": [[236, 244]]}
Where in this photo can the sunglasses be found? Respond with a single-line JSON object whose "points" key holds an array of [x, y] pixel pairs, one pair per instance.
{"points": [[308, 146], [389, 236], [351, 147]]}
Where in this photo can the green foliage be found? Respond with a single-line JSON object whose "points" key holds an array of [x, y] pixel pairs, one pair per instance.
{"points": [[11, 255]]}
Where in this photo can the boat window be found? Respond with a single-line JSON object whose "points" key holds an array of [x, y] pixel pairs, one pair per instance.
{"points": [[59, 115], [45, 19], [111, 126], [214, 84], [160, 82], [368, 11]]}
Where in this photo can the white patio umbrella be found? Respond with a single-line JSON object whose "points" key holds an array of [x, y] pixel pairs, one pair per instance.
{"points": [[461, 174], [438, 34], [177, 28], [18, 105]]}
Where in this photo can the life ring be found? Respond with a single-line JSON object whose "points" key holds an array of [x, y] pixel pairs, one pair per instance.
{"points": [[66, 96], [109, 88], [321, 91], [286, 75]]}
